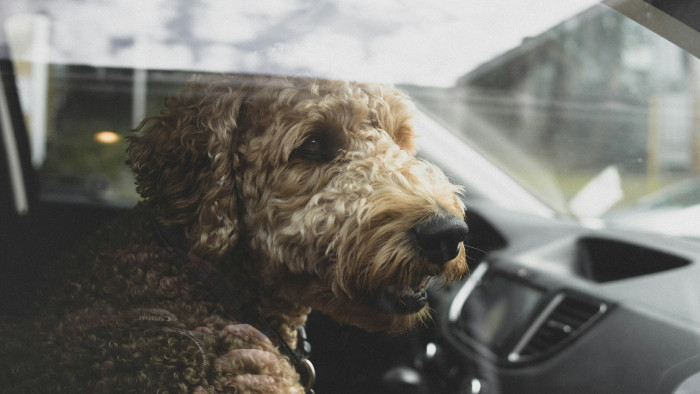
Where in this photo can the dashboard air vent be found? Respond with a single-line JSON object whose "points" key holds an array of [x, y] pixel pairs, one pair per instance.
{"points": [[562, 320]]}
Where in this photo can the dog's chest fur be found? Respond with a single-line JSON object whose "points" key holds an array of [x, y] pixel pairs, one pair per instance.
{"points": [[125, 288]]}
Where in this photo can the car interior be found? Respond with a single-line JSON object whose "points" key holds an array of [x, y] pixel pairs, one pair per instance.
{"points": [[551, 304]]}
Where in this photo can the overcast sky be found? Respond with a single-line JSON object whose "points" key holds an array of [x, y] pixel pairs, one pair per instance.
{"points": [[414, 41]]}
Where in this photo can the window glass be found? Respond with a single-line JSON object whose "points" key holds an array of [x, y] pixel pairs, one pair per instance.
{"points": [[89, 113], [595, 98], [585, 109]]}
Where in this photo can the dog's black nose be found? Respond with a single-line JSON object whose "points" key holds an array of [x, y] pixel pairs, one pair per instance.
{"points": [[438, 238]]}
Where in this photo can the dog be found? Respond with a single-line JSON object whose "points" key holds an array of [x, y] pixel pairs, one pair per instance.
{"points": [[262, 197]]}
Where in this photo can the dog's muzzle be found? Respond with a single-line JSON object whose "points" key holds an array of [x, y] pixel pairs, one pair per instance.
{"points": [[393, 301], [439, 239]]}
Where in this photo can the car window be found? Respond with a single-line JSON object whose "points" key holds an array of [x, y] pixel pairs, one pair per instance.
{"points": [[583, 108]]}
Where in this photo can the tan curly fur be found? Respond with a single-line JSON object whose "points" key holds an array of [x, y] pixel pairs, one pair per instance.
{"points": [[303, 193]]}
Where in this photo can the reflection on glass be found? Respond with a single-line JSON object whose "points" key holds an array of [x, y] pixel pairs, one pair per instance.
{"points": [[496, 309]]}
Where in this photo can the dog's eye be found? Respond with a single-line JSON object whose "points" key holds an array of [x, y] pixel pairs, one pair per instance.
{"points": [[314, 148]]}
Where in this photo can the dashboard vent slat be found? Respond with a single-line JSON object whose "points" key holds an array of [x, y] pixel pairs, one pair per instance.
{"points": [[562, 320]]}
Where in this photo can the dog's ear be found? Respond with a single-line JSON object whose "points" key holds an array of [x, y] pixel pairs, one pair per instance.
{"points": [[394, 113], [185, 159]]}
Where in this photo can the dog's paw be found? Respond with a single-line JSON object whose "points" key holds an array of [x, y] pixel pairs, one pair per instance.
{"points": [[254, 364]]}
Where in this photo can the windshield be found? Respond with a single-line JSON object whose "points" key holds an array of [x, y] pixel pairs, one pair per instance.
{"points": [[587, 110]]}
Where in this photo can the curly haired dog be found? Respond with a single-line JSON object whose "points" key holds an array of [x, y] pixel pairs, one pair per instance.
{"points": [[262, 198]]}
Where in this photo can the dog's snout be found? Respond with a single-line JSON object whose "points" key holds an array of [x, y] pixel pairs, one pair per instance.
{"points": [[439, 238]]}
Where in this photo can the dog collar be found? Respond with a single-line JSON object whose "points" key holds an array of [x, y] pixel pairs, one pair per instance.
{"points": [[220, 290]]}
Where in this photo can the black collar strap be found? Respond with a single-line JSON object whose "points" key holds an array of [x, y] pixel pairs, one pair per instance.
{"points": [[300, 357], [220, 290]]}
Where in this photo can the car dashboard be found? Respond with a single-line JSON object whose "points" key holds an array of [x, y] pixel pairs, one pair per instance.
{"points": [[554, 306]]}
